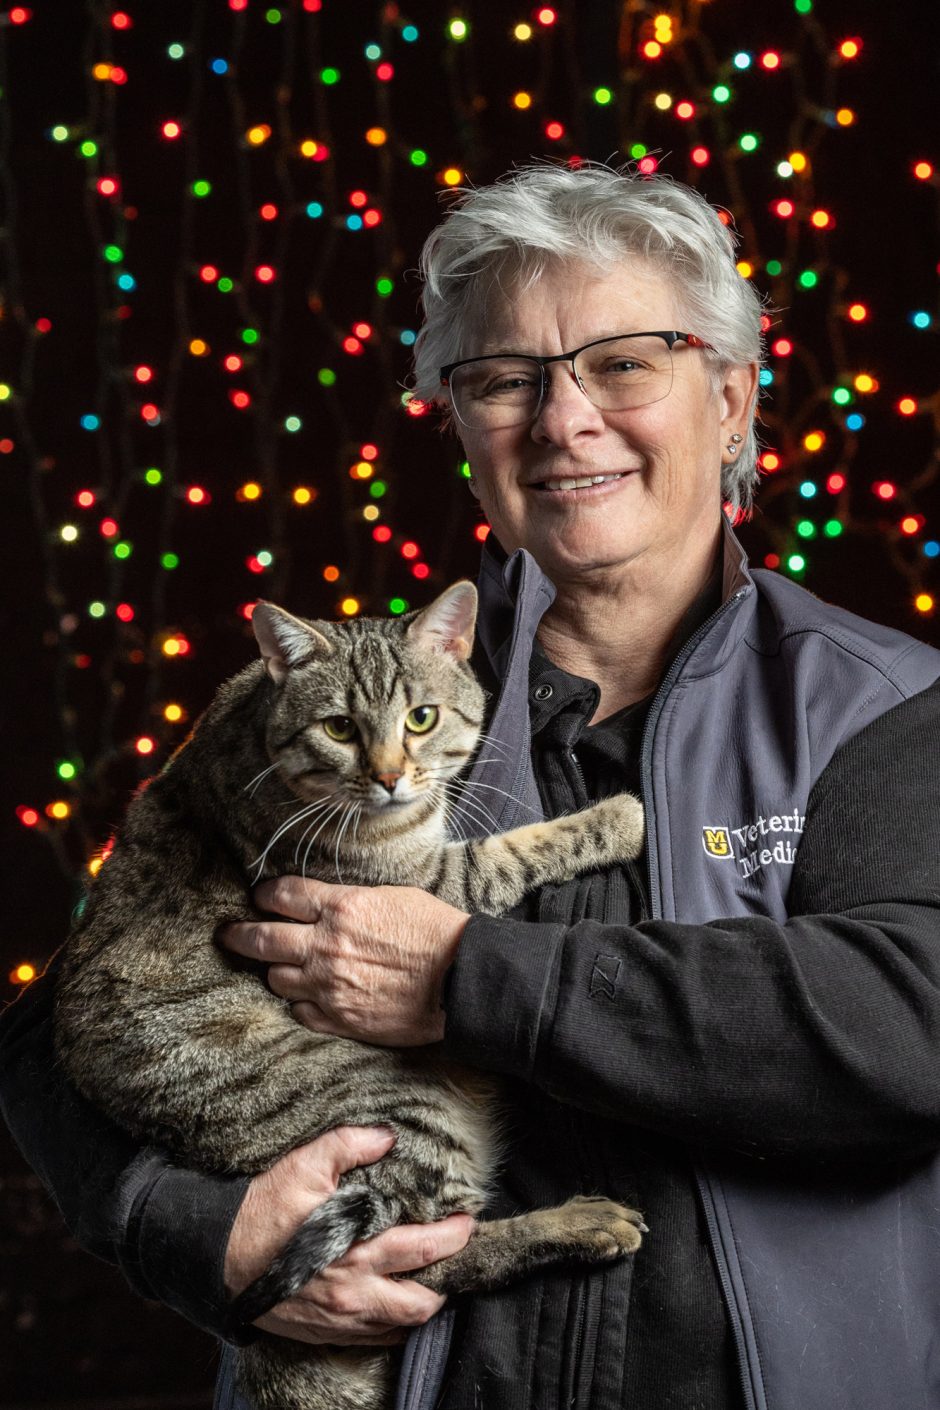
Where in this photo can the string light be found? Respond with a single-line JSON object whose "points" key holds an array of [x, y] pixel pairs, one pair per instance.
{"points": [[263, 371]]}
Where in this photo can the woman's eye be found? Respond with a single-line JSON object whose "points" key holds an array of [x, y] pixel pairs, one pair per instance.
{"points": [[340, 727], [622, 364], [421, 718], [510, 384]]}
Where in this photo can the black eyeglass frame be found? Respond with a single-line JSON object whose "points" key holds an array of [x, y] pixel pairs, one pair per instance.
{"points": [[669, 338]]}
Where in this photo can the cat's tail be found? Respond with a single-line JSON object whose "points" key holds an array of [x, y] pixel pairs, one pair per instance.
{"points": [[353, 1212]]}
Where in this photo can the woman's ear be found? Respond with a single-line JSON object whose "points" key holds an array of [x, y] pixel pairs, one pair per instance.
{"points": [[738, 396]]}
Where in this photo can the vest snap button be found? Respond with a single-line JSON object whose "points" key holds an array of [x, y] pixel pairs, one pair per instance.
{"points": [[543, 692]]}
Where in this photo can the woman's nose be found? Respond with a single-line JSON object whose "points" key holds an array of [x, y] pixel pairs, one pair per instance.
{"points": [[566, 411]]}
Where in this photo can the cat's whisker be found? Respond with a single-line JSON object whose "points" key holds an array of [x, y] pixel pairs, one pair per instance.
{"points": [[475, 822], [444, 768], [472, 808], [323, 822], [339, 837], [256, 781], [320, 807], [453, 825], [302, 813], [492, 788], [497, 744], [463, 789]]}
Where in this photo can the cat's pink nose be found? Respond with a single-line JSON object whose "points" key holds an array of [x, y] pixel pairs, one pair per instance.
{"points": [[388, 781]]}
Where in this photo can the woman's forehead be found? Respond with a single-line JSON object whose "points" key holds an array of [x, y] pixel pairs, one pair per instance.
{"points": [[571, 303]]}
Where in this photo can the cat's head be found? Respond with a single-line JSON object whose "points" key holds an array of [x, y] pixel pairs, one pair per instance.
{"points": [[373, 712]]}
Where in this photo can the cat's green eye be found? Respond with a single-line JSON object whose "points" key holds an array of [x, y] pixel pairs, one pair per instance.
{"points": [[422, 718], [341, 728]]}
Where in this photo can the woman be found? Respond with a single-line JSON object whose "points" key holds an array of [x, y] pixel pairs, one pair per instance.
{"points": [[739, 1039]]}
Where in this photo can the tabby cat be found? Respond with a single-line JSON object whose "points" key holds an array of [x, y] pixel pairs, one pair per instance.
{"points": [[357, 730]]}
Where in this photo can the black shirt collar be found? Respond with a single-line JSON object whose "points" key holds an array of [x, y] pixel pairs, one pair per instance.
{"points": [[554, 692]]}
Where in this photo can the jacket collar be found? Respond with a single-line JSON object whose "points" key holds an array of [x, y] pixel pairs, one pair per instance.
{"points": [[514, 596]]}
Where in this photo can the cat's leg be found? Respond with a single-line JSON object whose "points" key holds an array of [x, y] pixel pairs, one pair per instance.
{"points": [[275, 1373], [493, 873], [585, 1230]]}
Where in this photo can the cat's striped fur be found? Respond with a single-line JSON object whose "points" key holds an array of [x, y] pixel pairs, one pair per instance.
{"points": [[185, 1046]]}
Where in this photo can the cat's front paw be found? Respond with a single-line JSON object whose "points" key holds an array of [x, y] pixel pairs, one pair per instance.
{"points": [[597, 1229], [620, 827]]}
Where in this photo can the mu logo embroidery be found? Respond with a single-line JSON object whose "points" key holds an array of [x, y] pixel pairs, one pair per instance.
{"points": [[759, 842], [717, 841]]}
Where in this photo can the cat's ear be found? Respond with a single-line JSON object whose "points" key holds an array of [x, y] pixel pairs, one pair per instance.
{"points": [[447, 625], [285, 641]]}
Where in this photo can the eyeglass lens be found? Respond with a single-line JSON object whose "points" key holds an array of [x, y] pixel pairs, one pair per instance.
{"points": [[618, 374]]}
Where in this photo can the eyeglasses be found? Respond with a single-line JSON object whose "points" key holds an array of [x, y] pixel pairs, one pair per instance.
{"points": [[615, 374]]}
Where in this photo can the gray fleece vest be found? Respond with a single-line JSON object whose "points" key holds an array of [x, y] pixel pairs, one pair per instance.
{"points": [[833, 1295]]}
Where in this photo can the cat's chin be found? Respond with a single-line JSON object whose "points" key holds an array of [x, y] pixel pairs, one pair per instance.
{"points": [[390, 807], [396, 812]]}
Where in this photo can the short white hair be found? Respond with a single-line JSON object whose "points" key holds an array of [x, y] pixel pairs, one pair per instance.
{"points": [[541, 214]]}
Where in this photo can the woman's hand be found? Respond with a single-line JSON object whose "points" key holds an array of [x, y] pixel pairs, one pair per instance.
{"points": [[362, 962], [355, 1301]]}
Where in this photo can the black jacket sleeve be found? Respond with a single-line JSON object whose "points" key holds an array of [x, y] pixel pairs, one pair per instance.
{"points": [[809, 1038], [166, 1228]]}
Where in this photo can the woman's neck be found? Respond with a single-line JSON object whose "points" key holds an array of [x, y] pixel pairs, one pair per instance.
{"points": [[621, 632]]}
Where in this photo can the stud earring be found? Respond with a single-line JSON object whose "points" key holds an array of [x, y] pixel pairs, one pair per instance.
{"points": [[736, 440]]}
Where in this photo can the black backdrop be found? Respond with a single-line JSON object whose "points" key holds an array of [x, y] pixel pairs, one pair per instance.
{"points": [[100, 281]]}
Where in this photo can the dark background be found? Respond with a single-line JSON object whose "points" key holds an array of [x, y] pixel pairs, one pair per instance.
{"points": [[83, 689]]}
